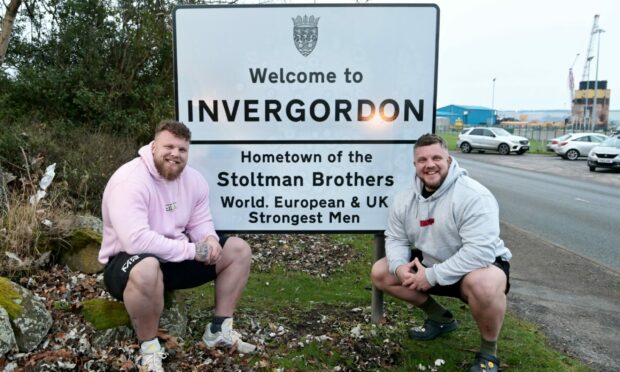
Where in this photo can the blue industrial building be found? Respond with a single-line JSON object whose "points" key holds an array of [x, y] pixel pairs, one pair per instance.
{"points": [[469, 115]]}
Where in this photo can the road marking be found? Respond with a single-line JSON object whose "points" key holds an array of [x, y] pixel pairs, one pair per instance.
{"points": [[582, 200]]}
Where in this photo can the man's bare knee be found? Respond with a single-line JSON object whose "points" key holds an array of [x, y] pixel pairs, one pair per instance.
{"points": [[379, 272], [238, 247], [485, 284], [145, 274]]}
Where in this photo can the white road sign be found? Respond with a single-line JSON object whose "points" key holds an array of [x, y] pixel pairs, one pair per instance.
{"points": [[303, 117]]}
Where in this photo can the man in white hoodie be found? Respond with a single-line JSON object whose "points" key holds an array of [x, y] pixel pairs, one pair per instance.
{"points": [[453, 221]]}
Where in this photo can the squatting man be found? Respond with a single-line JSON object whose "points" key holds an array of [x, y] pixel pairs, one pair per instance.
{"points": [[453, 221], [159, 235]]}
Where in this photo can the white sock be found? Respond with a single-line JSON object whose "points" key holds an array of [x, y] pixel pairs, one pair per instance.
{"points": [[151, 346]]}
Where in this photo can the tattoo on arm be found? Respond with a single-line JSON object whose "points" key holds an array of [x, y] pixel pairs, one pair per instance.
{"points": [[202, 251]]}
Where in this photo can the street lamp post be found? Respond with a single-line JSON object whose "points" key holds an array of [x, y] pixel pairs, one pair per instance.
{"points": [[595, 99], [571, 87], [493, 102]]}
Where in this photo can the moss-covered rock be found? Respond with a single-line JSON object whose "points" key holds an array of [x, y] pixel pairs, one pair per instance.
{"points": [[84, 260], [105, 314], [33, 322], [82, 253], [82, 237], [112, 336], [10, 299], [7, 337]]}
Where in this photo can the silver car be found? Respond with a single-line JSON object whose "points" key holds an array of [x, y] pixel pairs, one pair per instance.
{"points": [[605, 155], [578, 144], [495, 139]]}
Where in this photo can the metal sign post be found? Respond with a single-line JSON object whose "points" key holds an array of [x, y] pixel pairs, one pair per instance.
{"points": [[377, 295]]}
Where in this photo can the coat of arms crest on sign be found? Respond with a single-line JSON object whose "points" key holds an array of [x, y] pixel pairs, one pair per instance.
{"points": [[305, 33]]}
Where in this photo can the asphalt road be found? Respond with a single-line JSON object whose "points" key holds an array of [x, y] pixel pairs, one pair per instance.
{"points": [[571, 207], [574, 300]]}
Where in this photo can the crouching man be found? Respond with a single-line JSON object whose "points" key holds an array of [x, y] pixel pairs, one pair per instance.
{"points": [[453, 221]]}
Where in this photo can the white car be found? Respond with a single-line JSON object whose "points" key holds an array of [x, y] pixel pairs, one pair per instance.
{"points": [[605, 155], [495, 139], [578, 144], [552, 144]]}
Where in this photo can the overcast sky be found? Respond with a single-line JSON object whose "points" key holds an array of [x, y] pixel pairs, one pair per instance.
{"points": [[527, 45]]}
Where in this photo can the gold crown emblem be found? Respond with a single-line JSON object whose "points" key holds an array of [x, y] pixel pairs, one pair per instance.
{"points": [[305, 21]]}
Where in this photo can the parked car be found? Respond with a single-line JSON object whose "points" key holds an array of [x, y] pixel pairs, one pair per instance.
{"points": [[495, 139], [605, 155], [552, 144], [578, 144]]}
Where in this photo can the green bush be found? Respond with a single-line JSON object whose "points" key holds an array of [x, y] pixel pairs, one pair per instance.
{"points": [[100, 65]]}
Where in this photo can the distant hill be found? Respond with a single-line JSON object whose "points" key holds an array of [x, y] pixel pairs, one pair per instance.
{"points": [[553, 115]]}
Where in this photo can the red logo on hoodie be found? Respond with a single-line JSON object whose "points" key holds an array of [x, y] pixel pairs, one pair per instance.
{"points": [[424, 223]]}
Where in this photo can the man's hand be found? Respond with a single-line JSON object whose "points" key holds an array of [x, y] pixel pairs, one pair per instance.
{"points": [[413, 276], [208, 251]]}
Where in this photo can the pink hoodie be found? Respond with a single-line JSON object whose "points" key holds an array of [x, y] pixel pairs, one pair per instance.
{"points": [[145, 213]]}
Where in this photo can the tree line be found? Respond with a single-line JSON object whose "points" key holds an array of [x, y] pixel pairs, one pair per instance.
{"points": [[80, 79], [105, 64]]}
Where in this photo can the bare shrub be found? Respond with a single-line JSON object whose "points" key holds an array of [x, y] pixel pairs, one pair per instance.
{"points": [[27, 222], [19, 231], [89, 163], [85, 159]]}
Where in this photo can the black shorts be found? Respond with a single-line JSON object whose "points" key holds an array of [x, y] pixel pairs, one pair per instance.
{"points": [[454, 290], [177, 275]]}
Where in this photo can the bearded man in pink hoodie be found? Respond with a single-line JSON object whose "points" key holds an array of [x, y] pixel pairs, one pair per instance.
{"points": [[159, 235]]}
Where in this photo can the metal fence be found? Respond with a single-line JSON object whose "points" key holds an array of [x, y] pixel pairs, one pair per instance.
{"points": [[545, 133], [539, 133]]}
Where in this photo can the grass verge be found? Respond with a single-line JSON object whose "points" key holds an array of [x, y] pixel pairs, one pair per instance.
{"points": [[315, 323]]}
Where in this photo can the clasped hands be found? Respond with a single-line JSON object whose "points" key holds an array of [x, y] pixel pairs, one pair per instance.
{"points": [[413, 276]]}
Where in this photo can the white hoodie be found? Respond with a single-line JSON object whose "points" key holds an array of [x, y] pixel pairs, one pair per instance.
{"points": [[456, 228]]}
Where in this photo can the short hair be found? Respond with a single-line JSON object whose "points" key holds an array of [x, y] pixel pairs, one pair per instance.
{"points": [[430, 139], [175, 127]]}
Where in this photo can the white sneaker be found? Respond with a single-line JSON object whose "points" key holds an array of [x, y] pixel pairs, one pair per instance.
{"points": [[227, 338], [148, 362]]}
